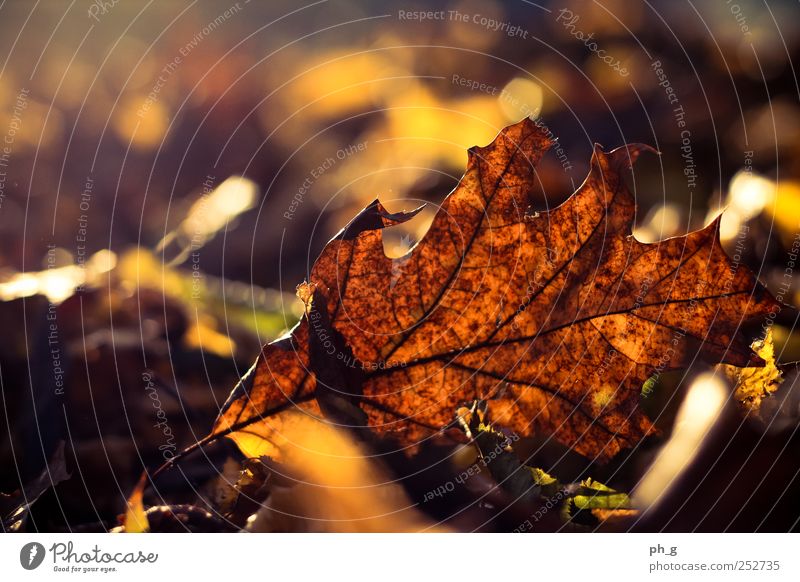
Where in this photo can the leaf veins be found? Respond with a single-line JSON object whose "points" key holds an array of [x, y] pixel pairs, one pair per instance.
{"points": [[556, 319]]}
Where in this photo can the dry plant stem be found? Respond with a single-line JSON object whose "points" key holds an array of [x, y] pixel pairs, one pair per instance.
{"points": [[209, 439]]}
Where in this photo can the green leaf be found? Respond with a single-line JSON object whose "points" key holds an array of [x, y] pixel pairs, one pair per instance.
{"points": [[550, 486], [594, 495]]}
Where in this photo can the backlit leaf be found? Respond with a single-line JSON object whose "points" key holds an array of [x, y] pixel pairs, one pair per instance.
{"points": [[556, 318], [753, 384]]}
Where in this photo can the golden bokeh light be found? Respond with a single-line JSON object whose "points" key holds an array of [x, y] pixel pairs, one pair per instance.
{"points": [[699, 411]]}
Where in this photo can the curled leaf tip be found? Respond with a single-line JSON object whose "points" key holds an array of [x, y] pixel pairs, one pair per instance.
{"points": [[305, 292]]}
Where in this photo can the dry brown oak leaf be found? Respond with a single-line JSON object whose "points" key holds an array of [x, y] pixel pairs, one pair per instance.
{"points": [[556, 318]]}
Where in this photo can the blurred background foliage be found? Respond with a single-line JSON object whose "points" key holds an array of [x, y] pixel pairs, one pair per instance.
{"points": [[182, 163]]}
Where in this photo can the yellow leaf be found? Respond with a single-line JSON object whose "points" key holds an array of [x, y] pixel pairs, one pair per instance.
{"points": [[135, 518], [201, 335], [754, 384], [339, 486]]}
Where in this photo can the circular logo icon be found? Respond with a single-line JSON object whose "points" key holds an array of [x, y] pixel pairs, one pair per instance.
{"points": [[31, 555]]}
